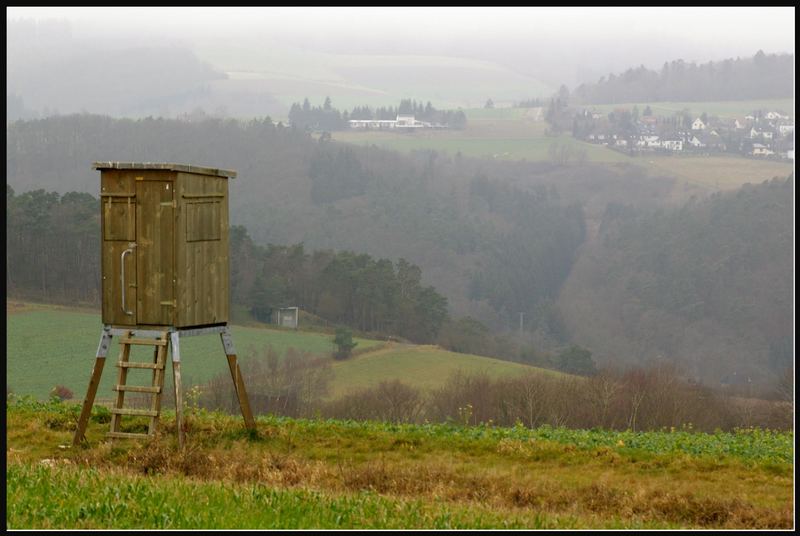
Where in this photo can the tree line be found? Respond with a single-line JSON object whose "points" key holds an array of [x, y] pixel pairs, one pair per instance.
{"points": [[354, 289], [764, 76], [642, 398], [328, 118]]}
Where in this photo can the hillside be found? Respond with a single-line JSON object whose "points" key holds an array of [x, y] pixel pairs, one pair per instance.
{"points": [[49, 345], [451, 217], [345, 474], [424, 367], [496, 238], [53, 66], [764, 76], [707, 283]]}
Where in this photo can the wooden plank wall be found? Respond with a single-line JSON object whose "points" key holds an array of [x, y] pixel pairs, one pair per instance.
{"points": [[118, 229], [155, 251], [202, 250]]}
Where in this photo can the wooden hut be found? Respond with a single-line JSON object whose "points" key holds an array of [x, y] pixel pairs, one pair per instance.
{"points": [[165, 271]]}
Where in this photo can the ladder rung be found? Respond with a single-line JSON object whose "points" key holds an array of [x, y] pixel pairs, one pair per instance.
{"points": [[151, 342], [133, 364], [127, 411], [127, 435], [137, 388]]}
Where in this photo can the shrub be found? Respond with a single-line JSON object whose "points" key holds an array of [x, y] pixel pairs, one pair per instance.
{"points": [[61, 392], [344, 343]]}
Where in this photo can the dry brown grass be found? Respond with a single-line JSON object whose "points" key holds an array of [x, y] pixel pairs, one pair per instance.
{"points": [[607, 488], [597, 487]]}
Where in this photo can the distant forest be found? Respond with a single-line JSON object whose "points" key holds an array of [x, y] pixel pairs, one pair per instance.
{"points": [[764, 76], [708, 282], [328, 118], [582, 253]]}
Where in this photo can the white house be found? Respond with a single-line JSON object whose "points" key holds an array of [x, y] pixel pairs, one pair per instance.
{"points": [[648, 141], [766, 134], [738, 124], [698, 124], [761, 150], [776, 115], [790, 154], [673, 144], [694, 141], [407, 121], [372, 123], [785, 129], [402, 121]]}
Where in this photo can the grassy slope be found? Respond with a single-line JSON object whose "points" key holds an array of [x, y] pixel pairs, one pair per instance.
{"points": [[424, 367], [49, 345], [351, 80], [517, 134], [500, 133], [327, 474], [714, 173]]}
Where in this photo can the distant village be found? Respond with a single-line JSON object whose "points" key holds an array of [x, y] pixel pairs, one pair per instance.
{"points": [[763, 134]]}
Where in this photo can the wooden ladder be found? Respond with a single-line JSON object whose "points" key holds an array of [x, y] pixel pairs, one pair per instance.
{"points": [[155, 389]]}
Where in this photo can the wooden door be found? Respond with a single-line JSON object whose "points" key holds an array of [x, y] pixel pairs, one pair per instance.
{"points": [[155, 278], [119, 258]]}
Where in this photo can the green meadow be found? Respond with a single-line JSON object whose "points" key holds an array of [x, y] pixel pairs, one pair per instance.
{"points": [[52, 345], [300, 473]]}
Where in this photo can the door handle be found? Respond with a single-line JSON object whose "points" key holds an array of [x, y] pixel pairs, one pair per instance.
{"points": [[122, 277]]}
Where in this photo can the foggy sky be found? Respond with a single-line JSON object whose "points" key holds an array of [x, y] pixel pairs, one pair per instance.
{"points": [[763, 27], [698, 34]]}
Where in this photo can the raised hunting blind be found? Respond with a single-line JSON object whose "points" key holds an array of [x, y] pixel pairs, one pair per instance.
{"points": [[165, 274]]}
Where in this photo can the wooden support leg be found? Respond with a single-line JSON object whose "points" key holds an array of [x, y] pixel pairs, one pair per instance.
{"points": [[176, 376], [159, 359], [238, 382], [97, 371], [124, 354]]}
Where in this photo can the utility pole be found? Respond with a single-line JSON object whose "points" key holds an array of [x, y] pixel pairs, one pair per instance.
{"points": [[521, 323]]}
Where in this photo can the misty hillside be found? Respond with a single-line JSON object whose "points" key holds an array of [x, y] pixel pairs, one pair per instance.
{"points": [[495, 238], [118, 82], [706, 284], [764, 76], [473, 237], [51, 71]]}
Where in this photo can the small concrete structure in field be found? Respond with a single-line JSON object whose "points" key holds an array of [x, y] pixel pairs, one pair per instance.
{"points": [[287, 317]]}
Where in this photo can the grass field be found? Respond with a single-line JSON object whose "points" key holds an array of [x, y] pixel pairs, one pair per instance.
{"points": [[424, 367], [342, 474], [496, 139], [716, 173], [519, 134], [49, 345]]}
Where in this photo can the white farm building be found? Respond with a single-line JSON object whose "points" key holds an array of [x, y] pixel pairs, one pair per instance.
{"points": [[402, 122]]}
